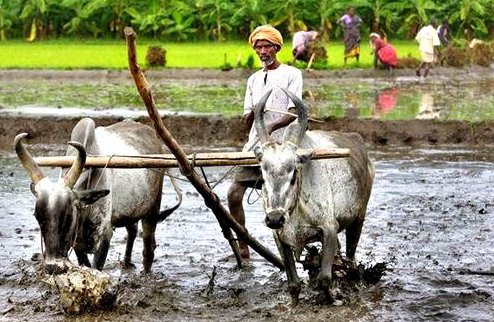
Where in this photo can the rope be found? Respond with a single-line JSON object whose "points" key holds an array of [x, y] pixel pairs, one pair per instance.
{"points": [[205, 178], [224, 176], [249, 202], [106, 166]]}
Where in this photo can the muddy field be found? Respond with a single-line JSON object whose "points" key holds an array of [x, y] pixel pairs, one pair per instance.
{"points": [[430, 219]]}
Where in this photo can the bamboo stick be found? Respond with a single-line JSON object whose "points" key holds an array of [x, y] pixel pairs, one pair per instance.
{"points": [[169, 161]]}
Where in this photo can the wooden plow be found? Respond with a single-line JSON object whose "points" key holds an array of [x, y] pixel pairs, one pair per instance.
{"points": [[186, 163]]}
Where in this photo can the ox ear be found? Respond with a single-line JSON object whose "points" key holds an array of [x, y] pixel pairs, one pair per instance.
{"points": [[258, 153], [304, 156], [89, 197]]}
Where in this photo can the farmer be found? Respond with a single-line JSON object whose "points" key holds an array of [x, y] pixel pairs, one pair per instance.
{"points": [[351, 34], [444, 34], [428, 41], [267, 42], [300, 43], [383, 52]]}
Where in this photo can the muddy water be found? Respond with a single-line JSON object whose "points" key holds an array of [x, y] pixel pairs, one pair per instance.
{"points": [[431, 218], [446, 95]]}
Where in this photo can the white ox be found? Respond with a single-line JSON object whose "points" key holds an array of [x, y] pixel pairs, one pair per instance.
{"points": [[82, 207], [312, 200]]}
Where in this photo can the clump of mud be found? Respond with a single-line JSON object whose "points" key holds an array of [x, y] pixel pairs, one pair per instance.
{"points": [[83, 289], [156, 56], [316, 48], [348, 279], [408, 62], [483, 54], [456, 56]]}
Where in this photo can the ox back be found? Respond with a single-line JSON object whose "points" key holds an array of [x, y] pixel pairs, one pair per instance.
{"points": [[135, 194]]}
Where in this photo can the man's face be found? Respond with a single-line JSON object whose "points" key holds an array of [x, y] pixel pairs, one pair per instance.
{"points": [[266, 52]]}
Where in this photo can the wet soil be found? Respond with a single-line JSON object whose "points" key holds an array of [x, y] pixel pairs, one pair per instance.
{"points": [[430, 218]]}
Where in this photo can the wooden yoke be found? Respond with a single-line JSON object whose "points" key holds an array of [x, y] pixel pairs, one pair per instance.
{"points": [[162, 161], [225, 219]]}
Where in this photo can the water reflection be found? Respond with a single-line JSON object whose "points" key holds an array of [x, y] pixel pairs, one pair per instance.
{"points": [[353, 104], [427, 109], [444, 99], [385, 102]]}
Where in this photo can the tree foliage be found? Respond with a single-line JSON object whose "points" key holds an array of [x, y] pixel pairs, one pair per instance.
{"points": [[178, 20]]}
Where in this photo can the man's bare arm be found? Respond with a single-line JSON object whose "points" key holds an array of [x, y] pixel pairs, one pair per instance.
{"points": [[248, 121], [282, 122]]}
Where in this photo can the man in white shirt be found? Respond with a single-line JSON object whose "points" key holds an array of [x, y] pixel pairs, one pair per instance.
{"points": [[267, 42], [428, 39]]}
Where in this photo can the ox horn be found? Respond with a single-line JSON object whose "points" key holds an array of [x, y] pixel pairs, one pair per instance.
{"points": [[303, 115], [27, 161], [262, 133], [76, 168]]}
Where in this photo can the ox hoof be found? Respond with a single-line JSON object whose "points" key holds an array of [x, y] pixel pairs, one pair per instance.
{"points": [[128, 265], [324, 286], [294, 293]]}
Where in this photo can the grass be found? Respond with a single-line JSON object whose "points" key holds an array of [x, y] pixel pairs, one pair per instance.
{"points": [[112, 54]]}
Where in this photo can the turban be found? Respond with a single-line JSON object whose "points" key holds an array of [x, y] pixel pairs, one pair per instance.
{"points": [[266, 32]]}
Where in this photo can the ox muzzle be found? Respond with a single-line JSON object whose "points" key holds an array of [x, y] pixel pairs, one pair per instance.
{"points": [[275, 219]]}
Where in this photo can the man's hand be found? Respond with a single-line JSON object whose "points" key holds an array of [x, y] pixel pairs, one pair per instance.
{"points": [[248, 121]]}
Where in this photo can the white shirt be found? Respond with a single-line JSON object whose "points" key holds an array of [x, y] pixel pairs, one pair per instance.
{"points": [[287, 77], [427, 38]]}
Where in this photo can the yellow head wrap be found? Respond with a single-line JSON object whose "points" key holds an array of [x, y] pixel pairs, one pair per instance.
{"points": [[266, 32]]}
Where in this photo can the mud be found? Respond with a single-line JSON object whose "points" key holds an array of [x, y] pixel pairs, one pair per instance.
{"points": [[430, 219]]}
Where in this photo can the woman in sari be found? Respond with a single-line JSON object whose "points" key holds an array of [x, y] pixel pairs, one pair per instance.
{"points": [[351, 34], [383, 52]]}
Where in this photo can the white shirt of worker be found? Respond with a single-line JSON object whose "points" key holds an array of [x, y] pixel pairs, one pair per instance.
{"points": [[287, 77], [427, 38]]}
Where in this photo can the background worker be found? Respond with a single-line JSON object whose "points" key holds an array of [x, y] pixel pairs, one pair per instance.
{"points": [[428, 41], [300, 44]]}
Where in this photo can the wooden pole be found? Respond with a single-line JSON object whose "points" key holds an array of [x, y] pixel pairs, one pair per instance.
{"points": [[169, 161], [311, 60], [225, 219]]}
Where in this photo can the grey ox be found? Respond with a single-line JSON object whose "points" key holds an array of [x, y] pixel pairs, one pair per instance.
{"points": [[82, 207], [312, 200]]}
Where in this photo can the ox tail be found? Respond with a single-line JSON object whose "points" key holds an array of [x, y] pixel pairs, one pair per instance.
{"points": [[167, 212]]}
